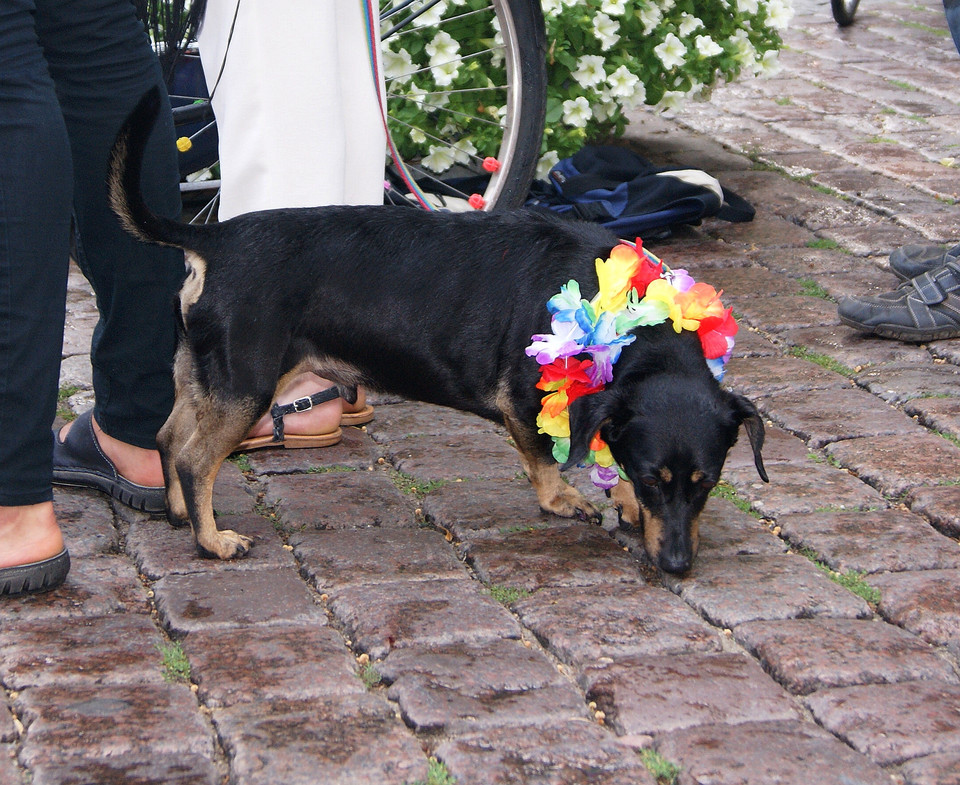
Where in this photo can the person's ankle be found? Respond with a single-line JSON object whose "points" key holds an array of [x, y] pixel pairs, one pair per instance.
{"points": [[28, 534], [136, 464]]}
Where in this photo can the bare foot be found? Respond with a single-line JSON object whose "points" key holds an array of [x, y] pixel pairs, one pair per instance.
{"points": [[323, 418], [136, 464], [28, 534]]}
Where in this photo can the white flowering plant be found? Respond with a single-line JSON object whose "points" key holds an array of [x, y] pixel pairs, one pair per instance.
{"points": [[604, 58]]}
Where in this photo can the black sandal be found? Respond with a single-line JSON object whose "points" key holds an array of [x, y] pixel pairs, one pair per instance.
{"points": [[36, 577], [78, 461]]}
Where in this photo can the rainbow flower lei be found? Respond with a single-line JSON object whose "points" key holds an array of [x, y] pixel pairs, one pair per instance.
{"points": [[577, 358]]}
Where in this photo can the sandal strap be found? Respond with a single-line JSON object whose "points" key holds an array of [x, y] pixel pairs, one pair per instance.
{"points": [[278, 411]]}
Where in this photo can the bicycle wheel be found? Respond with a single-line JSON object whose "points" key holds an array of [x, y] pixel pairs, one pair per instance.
{"points": [[844, 11], [466, 96]]}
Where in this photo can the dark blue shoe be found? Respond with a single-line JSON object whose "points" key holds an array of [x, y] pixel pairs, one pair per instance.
{"points": [[78, 461], [909, 261], [37, 577]]}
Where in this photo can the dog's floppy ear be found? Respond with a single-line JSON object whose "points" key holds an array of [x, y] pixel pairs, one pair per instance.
{"points": [[746, 414], [587, 414]]}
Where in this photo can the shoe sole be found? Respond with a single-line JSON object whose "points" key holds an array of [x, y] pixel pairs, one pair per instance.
{"points": [[907, 334], [131, 497], [37, 577]]}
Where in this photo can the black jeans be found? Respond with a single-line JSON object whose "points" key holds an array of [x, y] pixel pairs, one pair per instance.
{"points": [[70, 71]]}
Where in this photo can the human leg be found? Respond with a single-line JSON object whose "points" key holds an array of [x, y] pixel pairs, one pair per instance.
{"points": [[35, 193]]}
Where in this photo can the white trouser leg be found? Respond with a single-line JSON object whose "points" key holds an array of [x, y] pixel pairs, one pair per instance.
{"points": [[296, 109]]}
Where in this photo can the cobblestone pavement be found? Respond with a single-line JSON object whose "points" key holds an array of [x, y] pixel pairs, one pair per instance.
{"points": [[406, 600]]}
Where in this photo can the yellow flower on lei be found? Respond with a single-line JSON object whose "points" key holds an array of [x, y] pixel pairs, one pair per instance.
{"points": [[557, 426], [614, 276], [665, 293]]}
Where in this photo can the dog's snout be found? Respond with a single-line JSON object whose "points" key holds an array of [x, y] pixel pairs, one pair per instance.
{"points": [[676, 563]]}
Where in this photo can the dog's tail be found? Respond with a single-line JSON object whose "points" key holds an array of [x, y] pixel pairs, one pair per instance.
{"points": [[126, 198]]}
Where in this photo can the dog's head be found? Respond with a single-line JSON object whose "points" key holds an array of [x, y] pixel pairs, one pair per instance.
{"points": [[670, 433]]}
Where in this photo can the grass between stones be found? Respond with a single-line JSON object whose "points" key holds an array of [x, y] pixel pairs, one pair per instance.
{"points": [[411, 485], [437, 774], [811, 288], [176, 666], [507, 595], [665, 771], [823, 360], [64, 411], [851, 580], [724, 490]]}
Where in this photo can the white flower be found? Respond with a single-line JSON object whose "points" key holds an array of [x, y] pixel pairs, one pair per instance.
{"points": [[745, 53], [614, 7], [605, 29], [546, 163], [589, 71], [397, 66], [707, 47], [443, 51], [650, 17], [671, 100], [577, 112], [671, 52], [779, 14], [417, 136], [769, 64], [748, 7], [464, 151], [623, 83], [551, 7], [688, 24], [432, 16], [440, 159]]}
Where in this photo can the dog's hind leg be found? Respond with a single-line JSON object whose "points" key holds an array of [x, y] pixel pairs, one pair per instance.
{"points": [[553, 494], [171, 439], [219, 428]]}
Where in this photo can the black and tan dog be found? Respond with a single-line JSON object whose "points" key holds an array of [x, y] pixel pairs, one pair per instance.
{"points": [[435, 307]]}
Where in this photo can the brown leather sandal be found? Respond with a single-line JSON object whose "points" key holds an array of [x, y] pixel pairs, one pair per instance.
{"points": [[295, 440]]}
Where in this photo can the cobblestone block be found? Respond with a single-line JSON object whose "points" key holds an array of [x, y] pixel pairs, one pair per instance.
{"points": [[805, 655], [872, 541], [574, 753], [779, 446], [256, 664], [753, 343], [572, 554], [731, 590], [926, 603], [333, 560], [853, 349], [653, 695], [726, 529], [883, 462], [459, 457], [898, 383], [796, 488], [386, 616], [8, 731], [233, 493], [355, 451], [336, 742], [339, 500], [117, 649], [939, 414], [755, 376], [96, 586], [131, 769], [788, 753], [105, 720], [86, 521], [787, 312], [159, 549], [237, 598], [821, 417], [940, 506], [765, 229], [942, 769], [892, 722], [597, 624], [481, 508], [807, 262], [9, 771], [867, 279], [400, 421], [456, 705], [739, 282]]}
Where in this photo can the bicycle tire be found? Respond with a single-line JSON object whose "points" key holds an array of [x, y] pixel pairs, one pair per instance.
{"points": [[844, 11], [524, 106]]}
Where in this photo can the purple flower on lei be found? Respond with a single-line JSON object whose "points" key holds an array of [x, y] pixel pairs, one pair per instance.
{"points": [[604, 476], [563, 342], [680, 280]]}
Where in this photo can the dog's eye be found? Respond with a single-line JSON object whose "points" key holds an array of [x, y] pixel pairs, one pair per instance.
{"points": [[708, 485], [650, 481]]}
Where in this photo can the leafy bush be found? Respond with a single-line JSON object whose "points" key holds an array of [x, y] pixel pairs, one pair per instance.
{"points": [[604, 58]]}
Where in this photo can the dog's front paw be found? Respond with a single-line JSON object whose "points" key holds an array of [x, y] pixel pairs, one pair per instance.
{"points": [[625, 501], [227, 544], [570, 503]]}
